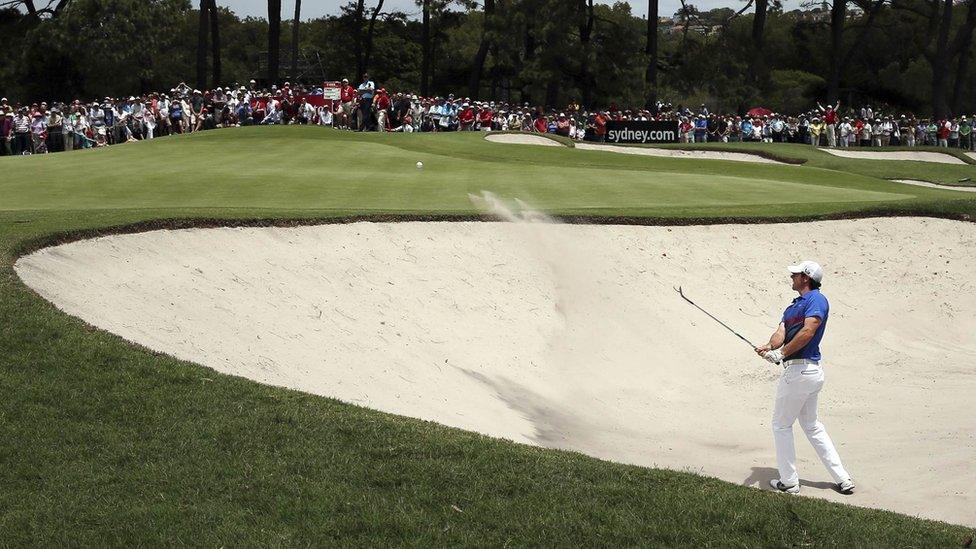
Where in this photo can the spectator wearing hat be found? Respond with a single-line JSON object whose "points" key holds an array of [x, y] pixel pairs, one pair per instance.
{"points": [[466, 117], [6, 128], [20, 142], [844, 133], [381, 105], [486, 118], [830, 122], [562, 125], [965, 133], [954, 133]]}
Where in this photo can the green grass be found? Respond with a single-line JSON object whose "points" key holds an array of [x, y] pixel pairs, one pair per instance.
{"points": [[105, 443]]}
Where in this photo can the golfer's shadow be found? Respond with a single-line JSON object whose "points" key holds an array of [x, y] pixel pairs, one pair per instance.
{"points": [[761, 476]]}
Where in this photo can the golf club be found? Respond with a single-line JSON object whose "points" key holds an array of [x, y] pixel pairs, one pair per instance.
{"points": [[683, 296]]}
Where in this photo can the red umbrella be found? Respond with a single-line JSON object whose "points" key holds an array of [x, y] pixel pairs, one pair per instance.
{"points": [[759, 112]]}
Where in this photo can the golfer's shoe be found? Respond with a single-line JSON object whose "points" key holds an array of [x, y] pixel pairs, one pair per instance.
{"points": [[775, 483], [846, 487]]}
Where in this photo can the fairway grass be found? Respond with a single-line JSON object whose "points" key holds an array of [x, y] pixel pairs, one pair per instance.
{"points": [[105, 443]]}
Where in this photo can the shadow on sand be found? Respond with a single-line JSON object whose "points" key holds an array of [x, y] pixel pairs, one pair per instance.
{"points": [[760, 477]]}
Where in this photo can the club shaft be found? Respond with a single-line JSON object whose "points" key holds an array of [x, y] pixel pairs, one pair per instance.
{"points": [[724, 325]]}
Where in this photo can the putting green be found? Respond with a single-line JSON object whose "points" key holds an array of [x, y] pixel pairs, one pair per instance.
{"points": [[114, 445], [317, 168]]}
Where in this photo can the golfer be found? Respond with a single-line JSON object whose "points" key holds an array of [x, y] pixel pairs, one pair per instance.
{"points": [[796, 343]]}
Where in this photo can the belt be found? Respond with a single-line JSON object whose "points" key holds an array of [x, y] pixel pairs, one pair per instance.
{"points": [[799, 361]]}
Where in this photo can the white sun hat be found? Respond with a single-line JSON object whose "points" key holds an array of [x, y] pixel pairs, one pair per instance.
{"points": [[809, 268]]}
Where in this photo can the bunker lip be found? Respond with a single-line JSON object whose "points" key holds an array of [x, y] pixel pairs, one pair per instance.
{"points": [[525, 409], [930, 185], [28, 246], [759, 157], [898, 155]]}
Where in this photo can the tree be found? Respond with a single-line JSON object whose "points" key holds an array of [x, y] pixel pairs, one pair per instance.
{"points": [[940, 47], [650, 50], [758, 33], [840, 58], [294, 38], [215, 43], [51, 10], [274, 39], [487, 37], [203, 30], [369, 34], [425, 49], [585, 24]]}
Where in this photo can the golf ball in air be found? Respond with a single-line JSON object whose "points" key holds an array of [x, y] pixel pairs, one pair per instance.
{"points": [[420, 165]]}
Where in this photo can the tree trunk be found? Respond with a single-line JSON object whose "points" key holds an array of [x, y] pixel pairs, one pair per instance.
{"points": [[369, 35], [358, 37], [552, 92], [274, 40], [524, 94], [650, 49], [425, 55], [215, 43], [758, 33], [962, 67], [843, 60], [294, 39], [960, 46], [940, 63], [478, 66], [838, 14], [585, 34], [202, 30]]}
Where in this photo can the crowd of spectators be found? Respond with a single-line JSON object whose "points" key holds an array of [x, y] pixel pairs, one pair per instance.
{"points": [[39, 128]]}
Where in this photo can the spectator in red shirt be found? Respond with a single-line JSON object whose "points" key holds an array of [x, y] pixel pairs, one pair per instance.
{"points": [[485, 117], [347, 103], [562, 125], [600, 126], [541, 125], [466, 117], [830, 120], [381, 104]]}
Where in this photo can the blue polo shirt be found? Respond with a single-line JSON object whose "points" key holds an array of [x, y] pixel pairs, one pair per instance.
{"points": [[812, 304]]}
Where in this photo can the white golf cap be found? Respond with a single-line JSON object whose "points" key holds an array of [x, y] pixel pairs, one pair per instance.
{"points": [[809, 268]]}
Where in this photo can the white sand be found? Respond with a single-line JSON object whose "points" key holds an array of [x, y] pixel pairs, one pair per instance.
{"points": [[677, 153], [572, 336], [918, 183], [529, 139], [522, 139], [971, 155], [918, 156]]}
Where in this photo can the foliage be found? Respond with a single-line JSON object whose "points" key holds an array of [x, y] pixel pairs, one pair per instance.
{"points": [[536, 53]]}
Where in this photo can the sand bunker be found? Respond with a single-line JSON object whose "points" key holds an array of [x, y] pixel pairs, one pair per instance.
{"points": [[529, 139], [935, 186], [522, 139], [677, 153], [918, 156], [573, 337]]}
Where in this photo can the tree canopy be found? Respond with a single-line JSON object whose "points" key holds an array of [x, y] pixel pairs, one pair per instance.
{"points": [[911, 54]]}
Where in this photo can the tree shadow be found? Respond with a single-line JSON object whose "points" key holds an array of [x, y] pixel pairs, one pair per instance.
{"points": [[760, 477]]}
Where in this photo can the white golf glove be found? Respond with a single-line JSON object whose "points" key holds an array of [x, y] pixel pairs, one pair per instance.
{"points": [[775, 356]]}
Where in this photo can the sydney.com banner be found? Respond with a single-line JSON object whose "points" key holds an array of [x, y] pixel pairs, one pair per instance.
{"points": [[642, 132]]}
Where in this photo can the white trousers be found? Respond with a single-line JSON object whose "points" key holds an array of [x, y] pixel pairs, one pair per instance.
{"points": [[796, 398]]}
